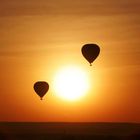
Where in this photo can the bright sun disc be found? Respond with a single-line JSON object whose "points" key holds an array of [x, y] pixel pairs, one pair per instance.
{"points": [[71, 83]]}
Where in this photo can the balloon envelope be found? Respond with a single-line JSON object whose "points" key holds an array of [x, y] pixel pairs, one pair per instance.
{"points": [[41, 88], [90, 52]]}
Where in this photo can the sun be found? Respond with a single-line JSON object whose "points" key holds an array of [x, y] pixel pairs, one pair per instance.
{"points": [[71, 83]]}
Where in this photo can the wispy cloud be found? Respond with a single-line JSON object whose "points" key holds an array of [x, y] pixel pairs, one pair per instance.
{"points": [[94, 20], [78, 7]]}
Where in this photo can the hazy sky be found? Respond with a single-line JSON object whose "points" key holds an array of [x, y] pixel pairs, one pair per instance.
{"points": [[37, 37]]}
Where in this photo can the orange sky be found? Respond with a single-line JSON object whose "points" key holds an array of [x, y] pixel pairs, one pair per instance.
{"points": [[37, 38]]}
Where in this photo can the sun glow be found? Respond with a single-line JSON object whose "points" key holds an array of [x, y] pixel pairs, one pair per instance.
{"points": [[71, 83]]}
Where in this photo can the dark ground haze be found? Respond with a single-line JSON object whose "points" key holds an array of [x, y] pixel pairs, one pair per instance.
{"points": [[69, 131]]}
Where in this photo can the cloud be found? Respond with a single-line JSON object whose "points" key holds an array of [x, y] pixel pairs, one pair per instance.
{"points": [[77, 7]]}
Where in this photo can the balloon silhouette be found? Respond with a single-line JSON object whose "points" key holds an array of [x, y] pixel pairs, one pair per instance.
{"points": [[90, 52], [41, 88]]}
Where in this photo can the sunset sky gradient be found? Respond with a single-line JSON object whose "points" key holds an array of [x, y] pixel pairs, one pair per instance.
{"points": [[39, 37]]}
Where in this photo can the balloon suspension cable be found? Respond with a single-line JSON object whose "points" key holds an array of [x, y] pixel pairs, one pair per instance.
{"points": [[90, 64]]}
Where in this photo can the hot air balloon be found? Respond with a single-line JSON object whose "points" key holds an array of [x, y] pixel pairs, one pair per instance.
{"points": [[41, 88], [90, 52]]}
